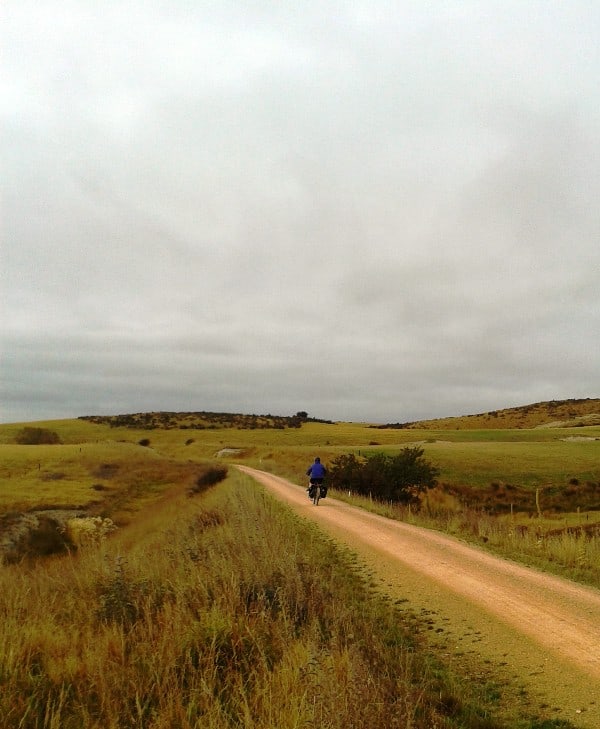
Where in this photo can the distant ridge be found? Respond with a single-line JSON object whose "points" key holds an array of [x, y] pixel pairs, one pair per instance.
{"points": [[572, 413], [202, 420]]}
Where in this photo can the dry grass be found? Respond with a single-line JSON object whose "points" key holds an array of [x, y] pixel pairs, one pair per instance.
{"points": [[104, 475], [574, 412], [220, 611]]}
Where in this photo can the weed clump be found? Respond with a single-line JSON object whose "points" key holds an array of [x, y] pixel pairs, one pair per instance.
{"points": [[89, 531], [119, 596]]}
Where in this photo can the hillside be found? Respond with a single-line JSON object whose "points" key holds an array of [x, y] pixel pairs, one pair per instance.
{"points": [[552, 413], [202, 421]]}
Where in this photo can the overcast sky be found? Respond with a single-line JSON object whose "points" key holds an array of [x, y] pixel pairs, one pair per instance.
{"points": [[372, 211]]}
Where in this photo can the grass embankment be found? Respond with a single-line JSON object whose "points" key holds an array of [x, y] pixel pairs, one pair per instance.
{"points": [[224, 610]]}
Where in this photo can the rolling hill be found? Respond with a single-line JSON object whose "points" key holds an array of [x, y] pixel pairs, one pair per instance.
{"points": [[551, 413]]}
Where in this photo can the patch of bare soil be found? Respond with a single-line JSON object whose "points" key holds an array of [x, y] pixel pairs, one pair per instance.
{"points": [[536, 631]]}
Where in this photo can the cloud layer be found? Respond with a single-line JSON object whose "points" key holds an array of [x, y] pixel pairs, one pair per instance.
{"points": [[370, 211]]}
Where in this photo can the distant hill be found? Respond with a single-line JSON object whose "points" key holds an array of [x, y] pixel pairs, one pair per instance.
{"points": [[202, 420], [553, 413]]}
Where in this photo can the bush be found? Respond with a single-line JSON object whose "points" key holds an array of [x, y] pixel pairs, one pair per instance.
{"points": [[42, 540], [400, 478], [209, 477], [89, 531], [36, 436]]}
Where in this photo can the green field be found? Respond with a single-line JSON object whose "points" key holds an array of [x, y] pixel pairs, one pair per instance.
{"points": [[67, 473]]}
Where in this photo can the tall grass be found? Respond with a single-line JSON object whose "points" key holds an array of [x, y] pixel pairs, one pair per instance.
{"points": [[224, 610]]}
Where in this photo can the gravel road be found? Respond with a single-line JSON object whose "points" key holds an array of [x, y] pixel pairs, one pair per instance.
{"points": [[538, 631]]}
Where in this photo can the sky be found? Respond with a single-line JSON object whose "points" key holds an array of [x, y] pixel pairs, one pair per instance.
{"points": [[372, 211]]}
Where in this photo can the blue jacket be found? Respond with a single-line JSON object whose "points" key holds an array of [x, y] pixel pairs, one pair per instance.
{"points": [[317, 470]]}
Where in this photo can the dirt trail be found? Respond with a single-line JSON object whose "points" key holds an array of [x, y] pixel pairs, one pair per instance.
{"points": [[541, 631]]}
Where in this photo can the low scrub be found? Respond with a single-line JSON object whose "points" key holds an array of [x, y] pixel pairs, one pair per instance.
{"points": [[501, 498]]}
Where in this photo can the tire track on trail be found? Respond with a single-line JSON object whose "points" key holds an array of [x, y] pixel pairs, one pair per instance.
{"points": [[543, 631]]}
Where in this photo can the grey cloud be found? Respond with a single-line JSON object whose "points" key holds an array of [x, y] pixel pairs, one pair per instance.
{"points": [[369, 211]]}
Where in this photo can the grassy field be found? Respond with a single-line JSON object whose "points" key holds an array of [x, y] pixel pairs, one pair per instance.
{"points": [[222, 610], [79, 469], [100, 476]]}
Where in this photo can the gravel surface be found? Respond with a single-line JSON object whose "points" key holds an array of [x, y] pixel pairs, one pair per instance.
{"points": [[538, 631]]}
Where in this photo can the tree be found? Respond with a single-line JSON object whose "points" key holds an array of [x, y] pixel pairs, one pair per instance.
{"points": [[400, 478], [346, 472]]}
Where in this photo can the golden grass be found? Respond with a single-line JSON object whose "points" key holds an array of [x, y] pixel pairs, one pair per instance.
{"points": [[105, 475], [541, 414], [216, 612]]}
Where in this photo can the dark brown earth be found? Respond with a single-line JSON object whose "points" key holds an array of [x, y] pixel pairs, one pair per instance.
{"points": [[536, 631]]}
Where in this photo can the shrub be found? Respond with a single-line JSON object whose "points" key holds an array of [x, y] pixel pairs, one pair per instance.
{"points": [[44, 538], [400, 478], [36, 436], [120, 597], [106, 470], [88, 531], [209, 477]]}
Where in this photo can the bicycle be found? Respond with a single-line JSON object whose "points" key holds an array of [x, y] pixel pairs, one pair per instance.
{"points": [[316, 491]]}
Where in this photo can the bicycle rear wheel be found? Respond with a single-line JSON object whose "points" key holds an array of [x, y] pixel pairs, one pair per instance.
{"points": [[316, 494]]}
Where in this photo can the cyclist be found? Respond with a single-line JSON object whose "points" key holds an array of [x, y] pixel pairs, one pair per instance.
{"points": [[317, 472]]}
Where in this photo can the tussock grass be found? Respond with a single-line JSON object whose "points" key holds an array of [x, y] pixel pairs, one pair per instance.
{"points": [[225, 610]]}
